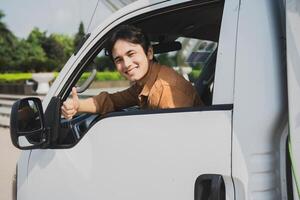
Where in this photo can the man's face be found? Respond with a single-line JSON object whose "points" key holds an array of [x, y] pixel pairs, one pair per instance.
{"points": [[131, 60]]}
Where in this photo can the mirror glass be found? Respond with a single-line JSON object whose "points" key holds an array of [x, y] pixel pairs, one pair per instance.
{"points": [[24, 142], [29, 117]]}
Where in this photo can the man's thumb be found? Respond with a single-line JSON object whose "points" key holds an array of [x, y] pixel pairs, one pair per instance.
{"points": [[74, 94]]}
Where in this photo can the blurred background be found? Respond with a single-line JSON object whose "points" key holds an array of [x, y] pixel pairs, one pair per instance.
{"points": [[39, 36]]}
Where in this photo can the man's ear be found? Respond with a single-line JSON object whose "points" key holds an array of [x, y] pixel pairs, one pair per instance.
{"points": [[150, 53]]}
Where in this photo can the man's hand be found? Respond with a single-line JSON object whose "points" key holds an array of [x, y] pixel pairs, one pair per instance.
{"points": [[71, 106]]}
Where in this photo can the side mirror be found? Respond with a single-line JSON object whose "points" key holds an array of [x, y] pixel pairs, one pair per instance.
{"points": [[27, 125]]}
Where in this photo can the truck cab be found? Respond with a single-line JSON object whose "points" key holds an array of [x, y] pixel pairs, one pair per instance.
{"points": [[233, 147]]}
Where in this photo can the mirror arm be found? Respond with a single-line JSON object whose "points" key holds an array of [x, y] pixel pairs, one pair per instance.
{"points": [[46, 137]]}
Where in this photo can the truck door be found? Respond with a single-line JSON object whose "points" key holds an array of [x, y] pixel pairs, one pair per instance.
{"points": [[156, 155], [293, 63]]}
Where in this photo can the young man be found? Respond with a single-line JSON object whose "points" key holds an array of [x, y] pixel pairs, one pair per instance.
{"points": [[155, 86]]}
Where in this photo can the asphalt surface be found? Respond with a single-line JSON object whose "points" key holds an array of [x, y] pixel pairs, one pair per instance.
{"points": [[8, 159]]}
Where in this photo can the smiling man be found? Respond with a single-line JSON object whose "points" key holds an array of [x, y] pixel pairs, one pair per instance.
{"points": [[154, 86]]}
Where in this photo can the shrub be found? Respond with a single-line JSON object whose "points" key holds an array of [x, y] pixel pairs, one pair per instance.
{"points": [[14, 77], [19, 77], [103, 76]]}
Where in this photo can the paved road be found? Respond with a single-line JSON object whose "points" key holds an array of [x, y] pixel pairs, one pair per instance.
{"points": [[8, 159]]}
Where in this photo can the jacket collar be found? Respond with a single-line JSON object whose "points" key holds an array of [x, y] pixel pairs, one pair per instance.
{"points": [[148, 81]]}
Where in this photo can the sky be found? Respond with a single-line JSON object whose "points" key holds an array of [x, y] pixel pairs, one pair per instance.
{"points": [[53, 16]]}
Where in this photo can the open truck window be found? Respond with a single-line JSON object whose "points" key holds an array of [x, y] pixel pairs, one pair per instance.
{"points": [[183, 37]]}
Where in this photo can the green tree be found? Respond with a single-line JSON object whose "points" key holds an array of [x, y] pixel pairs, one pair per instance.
{"points": [[54, 52], [31, 57], [66, 42], [79, 35], [29, 54], [104, 63], [39, 53], [8, 43], [36, 36], [57, 49], [6, 55], [5, 33]]}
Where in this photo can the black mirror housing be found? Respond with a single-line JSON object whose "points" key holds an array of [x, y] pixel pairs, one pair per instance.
{"points": [[27, 124]]}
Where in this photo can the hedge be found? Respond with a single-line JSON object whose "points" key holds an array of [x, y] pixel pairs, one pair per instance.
{"points": [[14, 77], [21, 77], [101, 76]]}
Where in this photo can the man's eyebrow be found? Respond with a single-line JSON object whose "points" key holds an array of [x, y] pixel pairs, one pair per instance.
{"points": [[116, 58], [129, 51]]}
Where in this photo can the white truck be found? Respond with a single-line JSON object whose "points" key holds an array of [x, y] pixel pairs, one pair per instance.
{"points": [[241, 145]]}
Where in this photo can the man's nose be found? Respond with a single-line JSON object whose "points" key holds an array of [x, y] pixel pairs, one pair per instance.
{"points": [[127, 62]]}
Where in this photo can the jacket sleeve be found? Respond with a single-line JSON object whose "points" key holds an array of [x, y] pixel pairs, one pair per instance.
{"points": [[112, 102]]}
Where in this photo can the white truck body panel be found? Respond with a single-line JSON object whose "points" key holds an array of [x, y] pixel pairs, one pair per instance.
{"points": [[293, 69], [225, 66], [157, 156], [259, 101]]}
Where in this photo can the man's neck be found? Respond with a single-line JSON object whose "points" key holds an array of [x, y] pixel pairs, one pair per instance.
{"points": [[143, 80]]}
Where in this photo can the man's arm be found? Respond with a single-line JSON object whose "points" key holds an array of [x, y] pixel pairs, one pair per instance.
{"points": [[106, 102], [72, 106], [102, 103]]}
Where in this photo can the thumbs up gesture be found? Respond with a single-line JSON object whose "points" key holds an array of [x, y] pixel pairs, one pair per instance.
{"points": [[71, 106]]}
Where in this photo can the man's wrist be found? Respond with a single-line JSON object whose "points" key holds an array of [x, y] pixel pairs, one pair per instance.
{"points": [[78, 106]]}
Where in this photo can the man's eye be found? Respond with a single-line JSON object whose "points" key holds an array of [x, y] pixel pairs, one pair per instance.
{"points": [[117, 61], [131, 54]]}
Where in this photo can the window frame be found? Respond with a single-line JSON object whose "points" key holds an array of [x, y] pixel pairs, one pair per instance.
{"points": [[100, 43]]}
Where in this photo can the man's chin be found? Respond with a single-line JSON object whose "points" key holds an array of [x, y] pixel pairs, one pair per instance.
{"points": [[132, 78]]}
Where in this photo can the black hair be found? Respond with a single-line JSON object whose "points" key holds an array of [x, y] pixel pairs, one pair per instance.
{"points": [[130, 34]]}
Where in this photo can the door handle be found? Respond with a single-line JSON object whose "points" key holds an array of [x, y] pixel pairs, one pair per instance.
{"points": [[209, 187]]}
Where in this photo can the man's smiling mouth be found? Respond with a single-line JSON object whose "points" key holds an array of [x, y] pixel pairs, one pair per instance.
{"points": [[130, 70]]}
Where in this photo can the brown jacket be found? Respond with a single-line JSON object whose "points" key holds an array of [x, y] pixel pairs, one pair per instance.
{"points": [[162, 87]]}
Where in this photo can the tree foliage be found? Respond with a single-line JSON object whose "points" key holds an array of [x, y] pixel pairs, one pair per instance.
{"points": [[5, 33], [79, 35], [43, 52], [66, 42], [38, 52], [104, 63], [8, 43], [36, 36], [29, 56]]}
